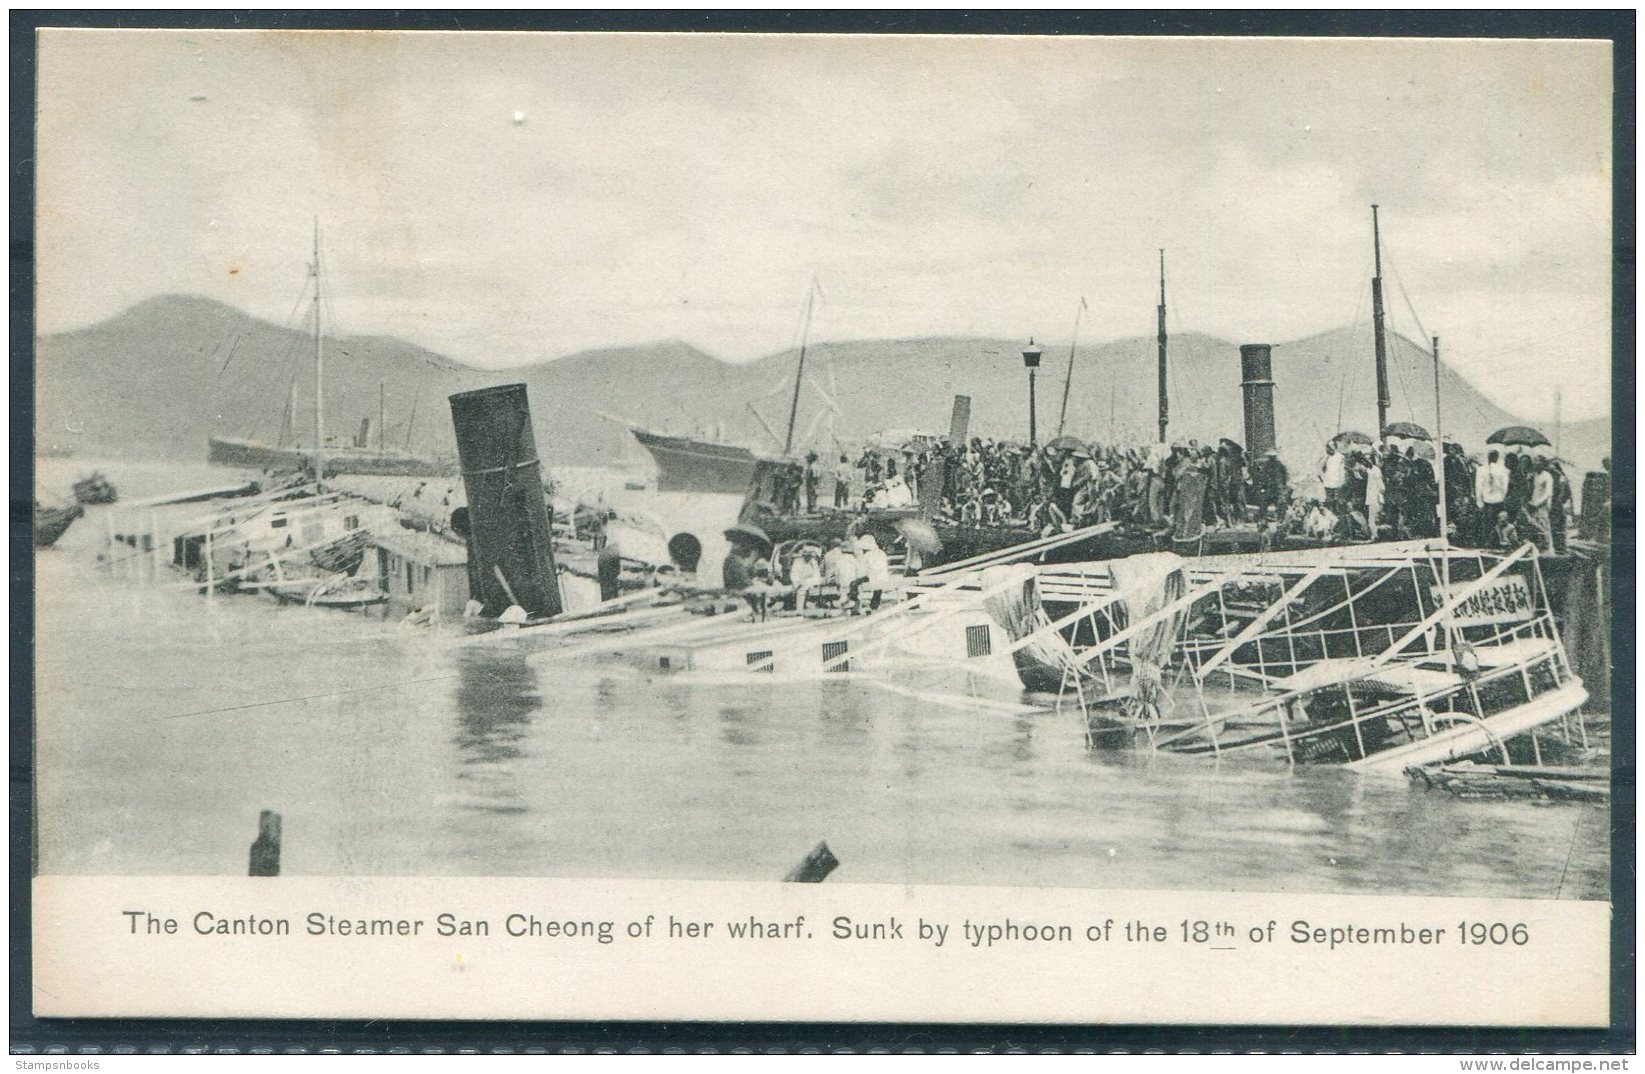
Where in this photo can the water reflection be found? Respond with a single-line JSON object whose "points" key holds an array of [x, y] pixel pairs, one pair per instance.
{"points": [[495, 695], [739, 725]]}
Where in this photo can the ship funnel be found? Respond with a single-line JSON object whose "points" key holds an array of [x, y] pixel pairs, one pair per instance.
{"points": [[959, 422], [1257, 373], [364, 439], [510, 550]]}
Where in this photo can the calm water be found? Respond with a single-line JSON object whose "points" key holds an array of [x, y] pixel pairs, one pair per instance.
{"points": [[392, 751]]}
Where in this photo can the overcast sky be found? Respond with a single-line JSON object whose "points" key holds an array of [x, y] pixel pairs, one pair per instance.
{"points": [[511, 198]]}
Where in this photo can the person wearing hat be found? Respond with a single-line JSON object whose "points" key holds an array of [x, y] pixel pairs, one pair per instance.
{"points": [[804, 573], [839, 568], [873, 572], [1375, 487], [745, 569], [842, 483], [794, 475], [869, 464], [1273, 484], [1070, 480], [737, 569], [1333, 474], [1211, 503], [812, 477]]}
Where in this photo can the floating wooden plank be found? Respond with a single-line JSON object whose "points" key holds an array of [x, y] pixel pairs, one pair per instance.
{"points": [[1530, 772], [210, 492], [1572, 790]]}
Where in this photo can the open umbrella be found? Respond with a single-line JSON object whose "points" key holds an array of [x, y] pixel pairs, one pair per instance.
{"points": [[1067, 443], [1408, 430], [920, 535], [686, 550], [1352, 437], [743, 533], [1517, 436]]}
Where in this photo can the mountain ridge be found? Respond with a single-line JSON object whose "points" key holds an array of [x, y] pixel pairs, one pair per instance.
{"points": [[166, 373]]}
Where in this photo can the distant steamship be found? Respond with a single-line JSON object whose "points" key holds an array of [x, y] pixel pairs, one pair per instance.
{"points": [[356, 457], [687, 464]]}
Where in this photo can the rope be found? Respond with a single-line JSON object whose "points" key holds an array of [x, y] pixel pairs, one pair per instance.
{"points": [[249, 390], [1400, 283], [1576, 829], [308, 697], [1422, 332], [501, 469], [1404, 389]]}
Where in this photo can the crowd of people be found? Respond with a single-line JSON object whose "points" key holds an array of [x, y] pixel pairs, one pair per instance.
{"points": [[1067, 483], [1366, 491], [852, 575], [1511, 496]]}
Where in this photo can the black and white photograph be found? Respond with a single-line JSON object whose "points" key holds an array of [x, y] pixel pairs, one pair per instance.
{"points": [[1111, 463]]}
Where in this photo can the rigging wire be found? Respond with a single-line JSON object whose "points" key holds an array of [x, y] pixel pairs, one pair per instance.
{"points": [[1422, 332], [1356, 369], [244, 392], [290, 366], [307, 697]]}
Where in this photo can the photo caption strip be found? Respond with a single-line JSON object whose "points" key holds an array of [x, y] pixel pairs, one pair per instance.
{"points": [[492, 948]]}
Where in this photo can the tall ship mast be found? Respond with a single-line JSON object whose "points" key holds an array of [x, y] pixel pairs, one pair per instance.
{"points": [[799, 373], [1068, 380], [357, 457], [1164, 395], [319, 369], [1378, 322]]}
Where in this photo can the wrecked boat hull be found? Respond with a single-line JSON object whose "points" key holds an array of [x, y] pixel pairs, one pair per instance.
{"points": [[1476, 737]]}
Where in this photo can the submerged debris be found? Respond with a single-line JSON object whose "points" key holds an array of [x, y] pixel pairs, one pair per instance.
{"points": [[1470, 780]]}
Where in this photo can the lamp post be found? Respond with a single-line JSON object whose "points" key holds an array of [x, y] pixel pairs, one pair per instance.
{"points": [[1031, 362]]}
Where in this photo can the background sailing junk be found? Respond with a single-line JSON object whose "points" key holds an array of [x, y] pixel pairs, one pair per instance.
{"points": [[1206, 587]]}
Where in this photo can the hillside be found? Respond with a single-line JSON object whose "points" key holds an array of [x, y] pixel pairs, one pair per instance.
{"points": [[162, 376], [1113, 395], [159, 378]]}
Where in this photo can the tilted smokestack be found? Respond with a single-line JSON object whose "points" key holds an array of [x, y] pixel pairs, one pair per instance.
{"points": [[1257, 373], [510, 552]]}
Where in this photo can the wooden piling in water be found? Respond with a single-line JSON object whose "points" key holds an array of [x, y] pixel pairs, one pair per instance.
{"points": [[815, 868], [265, 852]]}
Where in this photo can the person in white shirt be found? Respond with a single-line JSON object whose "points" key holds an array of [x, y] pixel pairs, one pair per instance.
{"points": [[873, 569], [803, 575], [842, 482], [839, 567], [1333, 474], [1374, 490], [1490, 489], [1491, 483]]}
